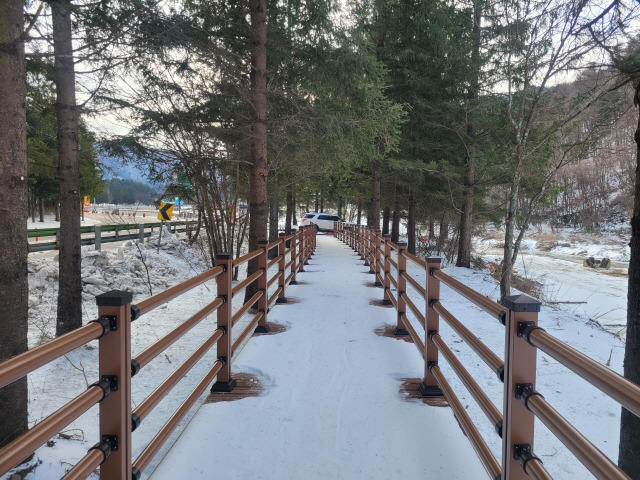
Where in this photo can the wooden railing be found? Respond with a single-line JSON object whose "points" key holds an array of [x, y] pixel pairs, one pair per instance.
{"points": [[116, 366], [517, 370]]}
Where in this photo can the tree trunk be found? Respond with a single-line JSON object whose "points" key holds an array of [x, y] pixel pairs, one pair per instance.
{"points": [[359, 211], [293, 212], [289, 214], [316, 205], [443, 233], [386, 217], [41, 209], [411, 224], [273, 223], [395, 222], [32, 208], [340, 207], [464, 240], [56, 207], [630, 424], [258, 170], [432, 228], [14, 289], [374, 220], [321, 201], [69, 315], [507, 261]]}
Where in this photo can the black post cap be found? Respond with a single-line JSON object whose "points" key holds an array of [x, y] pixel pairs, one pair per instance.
{"points": [[114, 298], [402, 244], [263, 242], [521, 303], [434, 260], [224, 256]]}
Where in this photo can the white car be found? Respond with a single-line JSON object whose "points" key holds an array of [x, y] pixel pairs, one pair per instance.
{"points": [[324, 221]]}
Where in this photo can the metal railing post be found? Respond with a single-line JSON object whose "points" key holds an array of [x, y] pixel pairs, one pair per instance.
{"points": [[402, 289], [224, 382], [378, 243], [114, 365], [141, 232], [98, 237], [387, 269], [282, 246], [519, 378], [429, 386], [294, 256], [58, 240], [117, 233], [263, 260]]}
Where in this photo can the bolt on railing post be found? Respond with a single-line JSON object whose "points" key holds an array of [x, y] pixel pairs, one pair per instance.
{"points": [[263, 260], [114, 365], [519, 374], [98, 237], [387, 269], [224, 382], [378, 243], [294, 256], [281, 263], [429, 386], [402, 289]]}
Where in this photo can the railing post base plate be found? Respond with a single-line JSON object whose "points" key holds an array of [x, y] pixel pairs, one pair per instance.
{"points": [[400, 331], [386, 302], [262, 329], [281, 300], [224, 387], [430, 390]]}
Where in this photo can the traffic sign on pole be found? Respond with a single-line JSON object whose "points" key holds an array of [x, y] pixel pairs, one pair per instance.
{"points": [[166, 211]]}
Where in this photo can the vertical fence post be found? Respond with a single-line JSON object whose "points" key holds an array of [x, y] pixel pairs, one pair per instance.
{"points": [[58, 240], [308, 231], [378, 243], [98, 237], [519, 378], [224, 382], [117, 233], [361, 242], [372, 250], [114, 365], [263, 260], [294, 256], [387, 269], [141, 233], [365, 245], [282, 246], [402, 289], [429, 386], [301, 250]]}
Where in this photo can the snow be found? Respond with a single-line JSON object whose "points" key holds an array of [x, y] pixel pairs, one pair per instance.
{"points": [[331, 407]]}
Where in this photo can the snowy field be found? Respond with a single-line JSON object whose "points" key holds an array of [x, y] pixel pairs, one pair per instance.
{"points": [[590, 327]]}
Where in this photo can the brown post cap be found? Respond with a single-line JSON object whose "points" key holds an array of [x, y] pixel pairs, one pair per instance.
{"points": [[114, 298]]}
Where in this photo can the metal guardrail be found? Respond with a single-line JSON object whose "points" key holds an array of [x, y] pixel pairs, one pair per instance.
{"points": [[112, 390], [142, 231], [523, 337]]}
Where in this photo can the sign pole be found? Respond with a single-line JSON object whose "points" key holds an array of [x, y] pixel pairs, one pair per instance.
{"points": [[160, 235]]}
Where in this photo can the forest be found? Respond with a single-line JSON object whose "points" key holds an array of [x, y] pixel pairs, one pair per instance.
{"points": [[438, 115]]}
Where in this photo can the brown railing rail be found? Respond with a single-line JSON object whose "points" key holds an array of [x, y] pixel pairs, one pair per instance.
{"points": [[112, 391], [523, 337]]}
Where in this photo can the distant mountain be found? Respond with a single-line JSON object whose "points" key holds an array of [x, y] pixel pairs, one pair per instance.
{"points": [[114, 168]]}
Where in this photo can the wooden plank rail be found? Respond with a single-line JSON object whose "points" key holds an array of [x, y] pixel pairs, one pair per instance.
{"points": [[116, 367], [523, 337]]}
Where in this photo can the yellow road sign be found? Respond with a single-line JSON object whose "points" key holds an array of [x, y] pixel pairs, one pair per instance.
{"points": [[87, 201], [166, 211]]}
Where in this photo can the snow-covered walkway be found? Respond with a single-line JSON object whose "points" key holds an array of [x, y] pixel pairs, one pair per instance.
{"points": [[331, 406]]}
